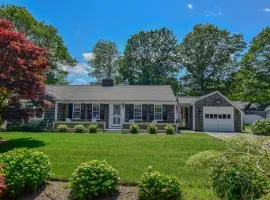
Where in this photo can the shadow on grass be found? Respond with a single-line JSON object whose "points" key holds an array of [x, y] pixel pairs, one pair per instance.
{"points": [[20, 143]]}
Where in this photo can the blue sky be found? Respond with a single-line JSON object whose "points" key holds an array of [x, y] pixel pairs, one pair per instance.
{"points": [[82, 22]]}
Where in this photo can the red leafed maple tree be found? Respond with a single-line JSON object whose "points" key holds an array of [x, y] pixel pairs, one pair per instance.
{"points": [[21, 67]]}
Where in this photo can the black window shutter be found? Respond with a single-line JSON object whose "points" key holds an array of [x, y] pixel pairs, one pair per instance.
{"points": [[70, 110], [144, 112], [164, 108]]}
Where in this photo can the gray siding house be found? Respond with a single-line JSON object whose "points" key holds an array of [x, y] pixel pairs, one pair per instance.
{"points": [[113, 105]]}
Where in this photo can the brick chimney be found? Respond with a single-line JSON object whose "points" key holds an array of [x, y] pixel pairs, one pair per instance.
{"points": [[107, 82]]}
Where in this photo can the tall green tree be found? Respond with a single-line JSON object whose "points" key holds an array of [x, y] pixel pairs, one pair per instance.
{"points": [[252, 82], [209, 55], [42, 35], [105, 61], [150, 58]]}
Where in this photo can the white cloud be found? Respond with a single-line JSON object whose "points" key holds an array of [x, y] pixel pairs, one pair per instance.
{"points": [[266, 9], [190, 6], [211, 13], [79, 70], [88, 56]]}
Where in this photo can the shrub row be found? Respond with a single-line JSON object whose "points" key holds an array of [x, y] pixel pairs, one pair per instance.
{"points": [[152, 129], [93, 128], [26, 170]]}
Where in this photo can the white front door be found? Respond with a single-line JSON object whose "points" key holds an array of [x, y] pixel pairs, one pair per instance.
{"points": [[218, 119], [116, 116]]}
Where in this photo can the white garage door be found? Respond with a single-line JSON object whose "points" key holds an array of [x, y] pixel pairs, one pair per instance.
{"points": [[218, 119]]}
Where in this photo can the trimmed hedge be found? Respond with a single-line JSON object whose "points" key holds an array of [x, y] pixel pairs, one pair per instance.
{"points": [[79, 128], [62, 128], [261, 127], [92, 179], [170, 129], [24, 169]]}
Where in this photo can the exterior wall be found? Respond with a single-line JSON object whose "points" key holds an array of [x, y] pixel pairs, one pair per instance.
{"points": [[268, 114], [148, 113], [49, 113], [214, 100]]}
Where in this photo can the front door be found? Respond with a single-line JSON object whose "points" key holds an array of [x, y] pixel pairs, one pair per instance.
{"points": [[116, 115]]}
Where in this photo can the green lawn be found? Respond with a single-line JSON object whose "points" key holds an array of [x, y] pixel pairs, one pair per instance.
{"points": [[130, 154]]}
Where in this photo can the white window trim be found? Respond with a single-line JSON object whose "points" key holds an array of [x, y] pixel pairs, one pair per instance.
{"points": [[140, 113], [160, 112], [96, 111], [73, 110]]}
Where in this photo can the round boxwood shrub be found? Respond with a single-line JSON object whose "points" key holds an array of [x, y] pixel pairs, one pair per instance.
{"points": [[62, 128], [24, 170], [92, 179], [261, 127], [156, 186], [152, 129], [169, 129], [238, 180], [79, 128], [93, 128], [134, 129]]}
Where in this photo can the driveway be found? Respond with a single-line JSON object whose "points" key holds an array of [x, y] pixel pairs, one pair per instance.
{"points": [[223, 135]]}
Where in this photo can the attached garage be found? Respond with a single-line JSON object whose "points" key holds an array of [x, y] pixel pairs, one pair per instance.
{"points": [[218, 119], [214, 112]]}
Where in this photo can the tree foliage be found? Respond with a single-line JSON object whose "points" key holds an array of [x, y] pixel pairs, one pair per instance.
{"points": [[21, 67], [105, 61], [150, 58], [209, 55], [42, 35], [252, 82]]}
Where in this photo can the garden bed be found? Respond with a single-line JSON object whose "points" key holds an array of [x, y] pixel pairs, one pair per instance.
{"points": [[55, 190]]}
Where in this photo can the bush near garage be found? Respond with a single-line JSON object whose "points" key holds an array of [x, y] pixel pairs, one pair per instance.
{"points": [[261, 127]]}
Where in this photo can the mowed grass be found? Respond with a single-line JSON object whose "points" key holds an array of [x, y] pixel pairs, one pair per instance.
{"points": [[129, 154]]}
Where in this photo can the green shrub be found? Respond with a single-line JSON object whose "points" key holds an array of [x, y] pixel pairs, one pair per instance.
{"points": [[134, 129], [79, 128], [238, 180], [93, 128], [152, 129], [24, 169], [203, 160], [169, 129], [261, 127], [156, 186], [92, 179], [30, 126], [62, 128]]}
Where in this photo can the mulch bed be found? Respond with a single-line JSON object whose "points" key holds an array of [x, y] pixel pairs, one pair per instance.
{"points": [[55, 190]]}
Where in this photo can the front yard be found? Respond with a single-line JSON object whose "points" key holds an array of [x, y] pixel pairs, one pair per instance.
{"points": [[129, 154]]}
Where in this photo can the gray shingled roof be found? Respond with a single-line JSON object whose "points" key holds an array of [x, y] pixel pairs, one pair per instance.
{"points": [[115, 93], [190, 99], [187, 99]]}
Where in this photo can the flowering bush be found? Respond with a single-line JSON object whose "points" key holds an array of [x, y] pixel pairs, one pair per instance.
{"points": [[62, 128], [169, 129], [79, 128], [93, 128], [152, 128], [92, 179], [134, 129]]}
